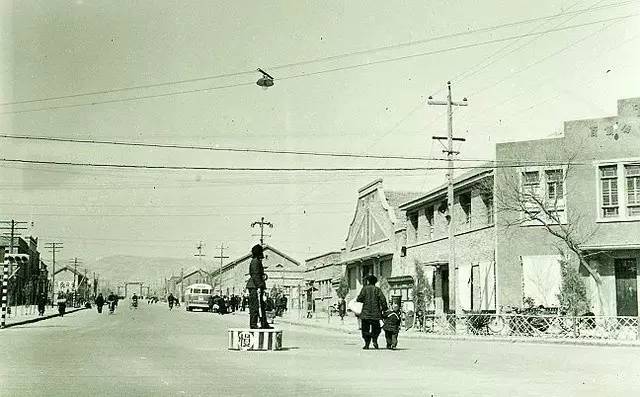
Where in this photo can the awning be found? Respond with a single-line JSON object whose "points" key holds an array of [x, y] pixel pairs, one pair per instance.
{"points": [[610, 247], [367, 257]]}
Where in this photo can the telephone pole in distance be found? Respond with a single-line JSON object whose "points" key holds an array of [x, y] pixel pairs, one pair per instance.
{"points": [[53, 247], [222, 257]]}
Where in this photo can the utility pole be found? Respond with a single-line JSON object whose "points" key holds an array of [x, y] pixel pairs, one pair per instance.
{"points": [[200, 255], [181, 284], [14, 227], [75, 276], [222, 257], [262, 223], [450, 196], [53, 247]]}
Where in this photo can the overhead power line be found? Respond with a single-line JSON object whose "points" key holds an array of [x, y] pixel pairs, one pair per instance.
{"points": [[271, 169], [328, 58], [318, 72], [239, 150]]}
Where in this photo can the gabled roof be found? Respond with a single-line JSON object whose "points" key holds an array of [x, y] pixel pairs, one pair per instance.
{"points": [[191, 273], [69, 269]]}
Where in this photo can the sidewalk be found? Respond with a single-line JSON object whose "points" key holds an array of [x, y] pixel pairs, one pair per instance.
{"points": [[350, 326], [29, 314]]}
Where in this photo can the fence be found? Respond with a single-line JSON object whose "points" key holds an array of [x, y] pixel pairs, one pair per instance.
{"points": [[533, 326]]}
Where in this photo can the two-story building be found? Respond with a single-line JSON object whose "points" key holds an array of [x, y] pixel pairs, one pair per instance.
{"points": [[427, 242], [580, 191], [322, 276]]}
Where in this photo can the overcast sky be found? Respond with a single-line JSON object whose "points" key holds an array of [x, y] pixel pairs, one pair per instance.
{"points": [[518, 89]]}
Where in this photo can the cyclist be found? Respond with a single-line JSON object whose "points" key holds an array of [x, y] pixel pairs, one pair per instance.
{"points": [[113, 302]]}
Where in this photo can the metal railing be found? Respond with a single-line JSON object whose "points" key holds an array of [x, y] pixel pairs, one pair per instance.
{"points": [[533, 326]]}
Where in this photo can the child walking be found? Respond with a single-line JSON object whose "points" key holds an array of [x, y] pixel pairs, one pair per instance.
{"points": [[392, 326]]}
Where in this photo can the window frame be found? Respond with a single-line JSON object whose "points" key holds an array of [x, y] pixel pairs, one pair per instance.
{"points": [[622, 194], [542, 194]]}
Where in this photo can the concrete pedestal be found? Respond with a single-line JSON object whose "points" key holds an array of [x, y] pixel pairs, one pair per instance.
{"points": [[255, 339]]}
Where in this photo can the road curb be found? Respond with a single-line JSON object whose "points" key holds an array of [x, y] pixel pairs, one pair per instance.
{"points": [[36, 319]]}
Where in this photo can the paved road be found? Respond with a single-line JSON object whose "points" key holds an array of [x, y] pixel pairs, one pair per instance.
{"points": [[154, 352]]}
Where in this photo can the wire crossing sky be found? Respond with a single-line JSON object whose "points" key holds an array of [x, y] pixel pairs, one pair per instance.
{"points": [[141, 121]]}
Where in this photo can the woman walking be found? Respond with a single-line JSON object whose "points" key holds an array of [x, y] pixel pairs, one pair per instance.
{"points": [[373, 305]]}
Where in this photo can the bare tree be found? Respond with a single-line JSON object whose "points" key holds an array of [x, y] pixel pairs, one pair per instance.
{"points": [[522, 203]]}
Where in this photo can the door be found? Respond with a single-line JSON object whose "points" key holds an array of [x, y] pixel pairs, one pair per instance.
{"points": [[444, 273], [626, 287]]}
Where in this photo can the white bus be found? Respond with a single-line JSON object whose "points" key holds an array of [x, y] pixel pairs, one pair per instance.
{"points": [[197, 296]]}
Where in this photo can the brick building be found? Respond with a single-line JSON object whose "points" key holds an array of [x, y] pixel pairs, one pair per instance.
{"points": [[427, 243], [30, 279]]}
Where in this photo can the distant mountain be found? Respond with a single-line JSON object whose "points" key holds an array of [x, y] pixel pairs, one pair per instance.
{"points": [[118, 268]]}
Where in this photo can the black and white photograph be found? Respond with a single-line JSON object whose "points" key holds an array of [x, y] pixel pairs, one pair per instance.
{"points": [[319, 198]]}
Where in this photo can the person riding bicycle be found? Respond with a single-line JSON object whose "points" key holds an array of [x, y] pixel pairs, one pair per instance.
{"points": [[112, 299]]}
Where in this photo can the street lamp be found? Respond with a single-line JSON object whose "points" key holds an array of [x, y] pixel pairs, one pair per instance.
{"points": [[266, 80]]}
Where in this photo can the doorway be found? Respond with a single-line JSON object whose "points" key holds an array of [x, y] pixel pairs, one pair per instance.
{"points": [[444, 274], [626, 287]]}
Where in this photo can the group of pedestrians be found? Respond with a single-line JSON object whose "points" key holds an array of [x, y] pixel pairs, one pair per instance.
{"points": [[224, 304]]}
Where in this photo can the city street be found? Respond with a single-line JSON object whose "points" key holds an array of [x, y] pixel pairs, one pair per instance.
{"points": [[154, 352]]}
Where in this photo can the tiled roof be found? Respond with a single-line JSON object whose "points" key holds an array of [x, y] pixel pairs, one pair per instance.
{"points": [[395, 198]]}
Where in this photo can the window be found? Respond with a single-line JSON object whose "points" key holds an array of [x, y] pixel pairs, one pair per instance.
{"points": [[488, 203], [413, 219], [609, 184], [632, 176], [555, 189], [429, 215], [465, 204], [531, 187]]}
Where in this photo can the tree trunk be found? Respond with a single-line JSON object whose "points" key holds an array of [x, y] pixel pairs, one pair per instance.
{"points": [[596, 278]]}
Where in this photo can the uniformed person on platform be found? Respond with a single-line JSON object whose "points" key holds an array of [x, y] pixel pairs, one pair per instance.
{"points": [[256, 286]]}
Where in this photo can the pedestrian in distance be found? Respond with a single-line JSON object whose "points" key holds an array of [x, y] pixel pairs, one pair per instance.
{"points": [[342, 308], [256, 286], [99, 302], [391, 326], [170, 301], [62, 304], [373, 305], [42, 303]]}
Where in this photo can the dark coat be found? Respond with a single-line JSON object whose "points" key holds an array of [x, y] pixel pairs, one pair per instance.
{"points": [[391, 321], [100, 300], [256, 274], [373, 303]]}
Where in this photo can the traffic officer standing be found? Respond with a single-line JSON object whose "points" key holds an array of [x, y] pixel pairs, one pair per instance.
{"points": [[256, 286]]}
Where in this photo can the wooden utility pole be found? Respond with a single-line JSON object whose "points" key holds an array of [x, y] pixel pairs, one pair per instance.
{"points": [[262, 223], [222, 257], [453, 268], [53, 247], [14, 227]]}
